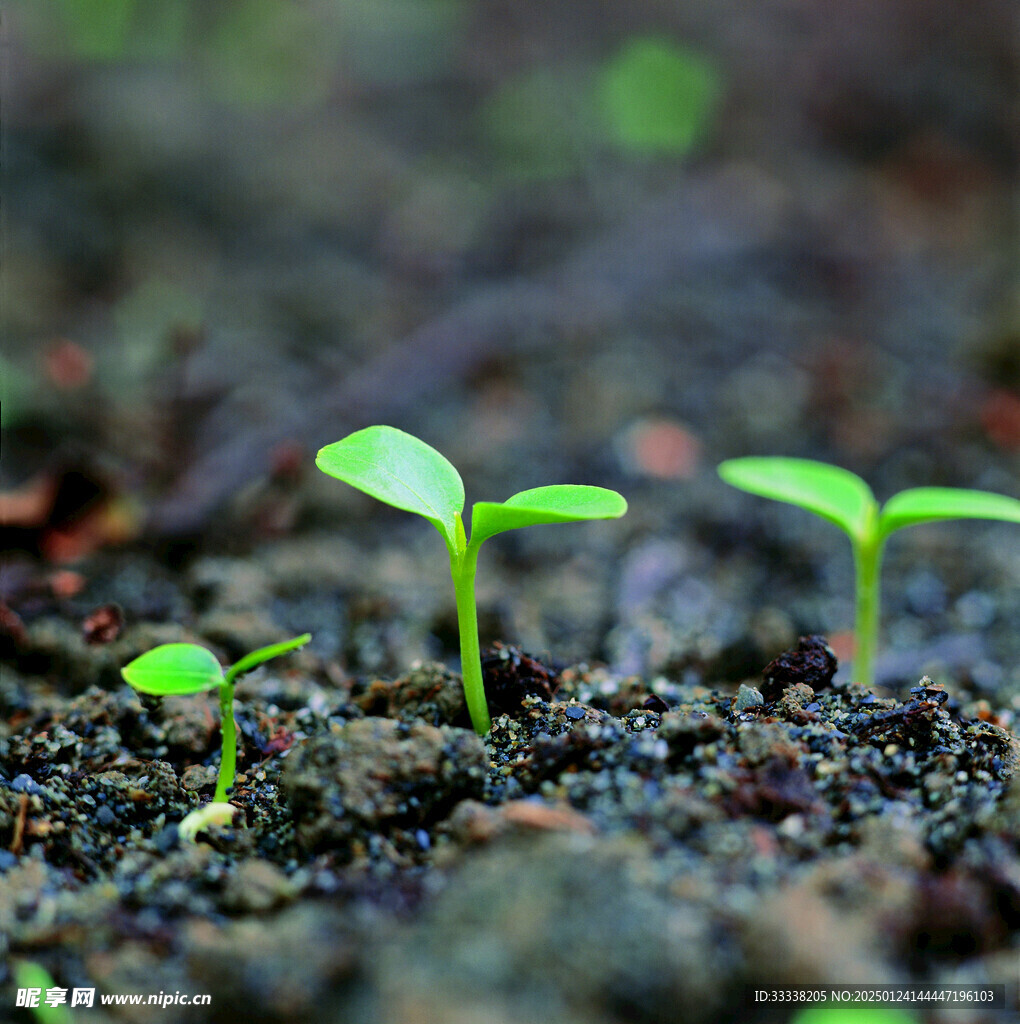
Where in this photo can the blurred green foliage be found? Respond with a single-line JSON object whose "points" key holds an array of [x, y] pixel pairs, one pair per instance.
{"points": [[254, 53], [96, 29], [29, 974], [658, 97], [651, 98], [109, 30], [852, 1015], [263, 52]]}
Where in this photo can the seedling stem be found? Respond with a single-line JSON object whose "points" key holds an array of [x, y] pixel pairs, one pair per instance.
{"points": [[463, 571], [868, 564]]}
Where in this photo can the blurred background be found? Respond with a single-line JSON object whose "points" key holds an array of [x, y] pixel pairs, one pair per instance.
{"points": [[606, 243]]}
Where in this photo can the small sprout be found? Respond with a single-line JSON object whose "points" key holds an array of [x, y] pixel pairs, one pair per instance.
{"points": [[845, 499], [203, 817], [405, 472], [187, 668], [37, 984]]}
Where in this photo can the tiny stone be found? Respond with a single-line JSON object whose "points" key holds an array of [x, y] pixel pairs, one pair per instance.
{"points": [[25, 784], [105, 817], [574, 713], [326, 881], [747, 697], [891, 750]]}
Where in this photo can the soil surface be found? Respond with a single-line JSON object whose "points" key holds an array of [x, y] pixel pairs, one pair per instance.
{"points": [[616, 849], [230, 255]]}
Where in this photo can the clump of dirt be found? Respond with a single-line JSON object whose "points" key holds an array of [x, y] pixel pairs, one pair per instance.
{"points": [[813, 664], [430, 692], [378, 778]]}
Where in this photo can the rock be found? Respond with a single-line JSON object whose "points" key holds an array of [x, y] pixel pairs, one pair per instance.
{"points": [[746, 699], [793, 702], [812, 662], [684, 732], [198, 776]]}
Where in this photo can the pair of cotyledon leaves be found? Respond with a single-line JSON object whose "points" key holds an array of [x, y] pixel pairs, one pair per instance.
{"points": [[845, 499], [405, 472]]}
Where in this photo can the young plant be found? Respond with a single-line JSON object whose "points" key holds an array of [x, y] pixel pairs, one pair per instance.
{"points": [[173, 669], [845, 499], [405, 472], [35, 984]]}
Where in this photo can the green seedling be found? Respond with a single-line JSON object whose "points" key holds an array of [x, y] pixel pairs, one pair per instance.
{"points": [[37, 984], [408, 474], [175, 669], [845, 499]]}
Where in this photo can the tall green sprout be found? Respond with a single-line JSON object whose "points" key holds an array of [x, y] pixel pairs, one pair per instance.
{"points": [[408, 474], [845, 499]]}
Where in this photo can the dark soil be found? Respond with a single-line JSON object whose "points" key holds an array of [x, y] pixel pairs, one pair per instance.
{"points": [[615, 850]]}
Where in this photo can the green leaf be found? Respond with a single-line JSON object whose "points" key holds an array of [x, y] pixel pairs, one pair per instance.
{"points": [[174, 668], [560, 503], [400, 470], [835, 494], [256, 658], [928, 504]]}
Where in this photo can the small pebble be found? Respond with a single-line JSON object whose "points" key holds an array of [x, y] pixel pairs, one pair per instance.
{"points": [[747, 697], [575, 714], [25, 784]]}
